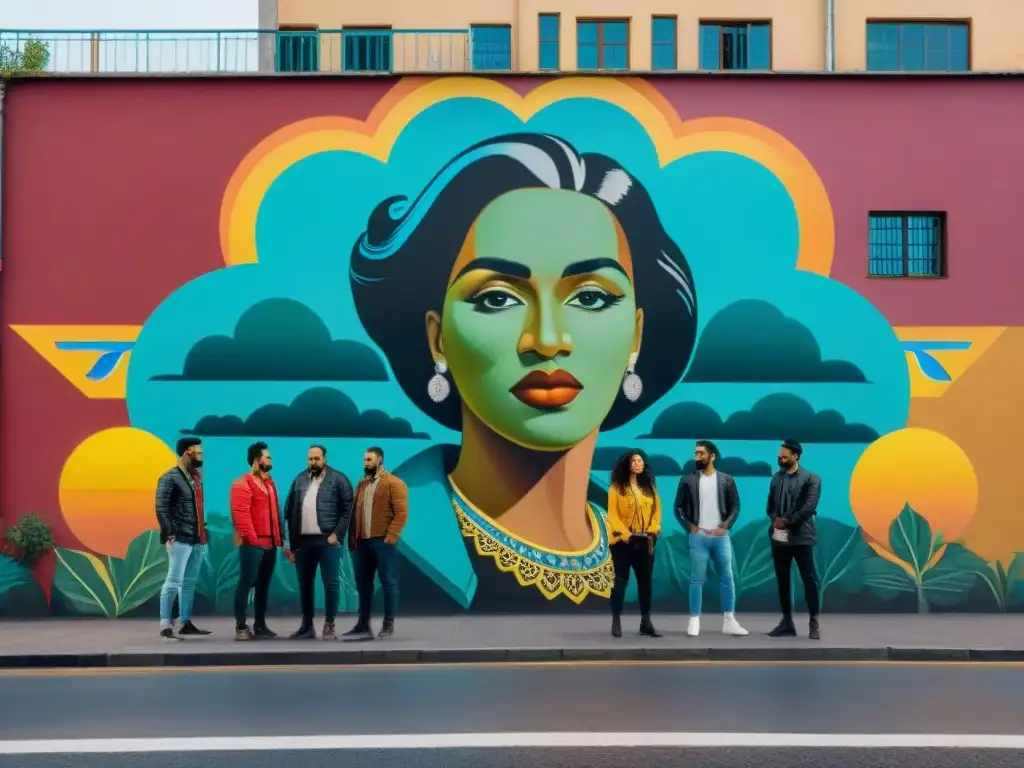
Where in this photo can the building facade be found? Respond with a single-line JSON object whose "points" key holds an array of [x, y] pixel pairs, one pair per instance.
{"points": [[644, 35], [290, 259]]}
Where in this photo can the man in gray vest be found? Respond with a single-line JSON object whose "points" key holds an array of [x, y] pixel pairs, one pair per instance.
{"points": [[317, 513]]}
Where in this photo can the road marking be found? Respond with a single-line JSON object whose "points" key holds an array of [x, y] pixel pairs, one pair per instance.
{"points": [[512, 741], [372, 667]]}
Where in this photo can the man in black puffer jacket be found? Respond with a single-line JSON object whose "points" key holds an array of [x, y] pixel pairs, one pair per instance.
{"points": [[317, 513]]}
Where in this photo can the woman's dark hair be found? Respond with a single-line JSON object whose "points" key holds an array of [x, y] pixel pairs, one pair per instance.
{"points": [[401, 263], [621, 472]]}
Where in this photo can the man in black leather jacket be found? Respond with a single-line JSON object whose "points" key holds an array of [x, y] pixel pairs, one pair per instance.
{"points": [[179, 511], [792, 505], [317, 513]]}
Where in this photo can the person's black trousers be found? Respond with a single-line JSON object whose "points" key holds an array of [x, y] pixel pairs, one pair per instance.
{"points": [[784, 555], [255, 570], [638, 556], [311, 553]]}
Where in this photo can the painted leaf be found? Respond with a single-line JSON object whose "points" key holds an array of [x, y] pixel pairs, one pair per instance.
{"points": [[840, 553], [885, 579], [950, 581], [83, 580], [1015, 581], [219, 577], [12, 574], [910, 539], [752, 558], [139, 576]]}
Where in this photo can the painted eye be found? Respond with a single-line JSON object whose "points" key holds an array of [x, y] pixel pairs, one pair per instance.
{"points": [[496, 300], [593, 299]]}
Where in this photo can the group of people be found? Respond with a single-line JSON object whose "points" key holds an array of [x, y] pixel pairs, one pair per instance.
{"points": [[707, 505], [321, 509]]}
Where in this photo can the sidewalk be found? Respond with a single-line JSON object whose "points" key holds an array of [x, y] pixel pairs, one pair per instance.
{"points": [[466, 639]]}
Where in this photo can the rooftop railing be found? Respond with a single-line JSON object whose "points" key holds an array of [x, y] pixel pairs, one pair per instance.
{"points": [[241, 50]]}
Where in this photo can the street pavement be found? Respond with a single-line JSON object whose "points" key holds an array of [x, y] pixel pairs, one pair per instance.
{"points": [[53, 642], [542, 715]]}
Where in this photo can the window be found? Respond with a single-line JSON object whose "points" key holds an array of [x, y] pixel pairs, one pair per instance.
{"points": [[927, 46], [602, 44], [367, 49], [663, 42], [548, 36], [297, 50], [907, 245], [492, 46], [736, 45]]}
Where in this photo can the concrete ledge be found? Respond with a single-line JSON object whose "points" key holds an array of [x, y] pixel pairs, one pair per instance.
{"points": [[347, 657]]}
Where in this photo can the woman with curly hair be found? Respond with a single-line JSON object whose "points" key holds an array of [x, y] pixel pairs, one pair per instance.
{"points": [[634, 522]]}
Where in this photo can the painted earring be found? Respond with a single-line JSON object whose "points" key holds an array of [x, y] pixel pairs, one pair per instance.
{"points": [[631, 384], [438, 387]]}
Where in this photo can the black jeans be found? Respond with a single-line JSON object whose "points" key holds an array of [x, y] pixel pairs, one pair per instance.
{"points": [[376, 557], [784, 555], [255, 570], [314, 552], [635, 554]]}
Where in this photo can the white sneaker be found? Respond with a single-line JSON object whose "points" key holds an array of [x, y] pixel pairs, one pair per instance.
{"points": [[693, 628], [732, 627]]}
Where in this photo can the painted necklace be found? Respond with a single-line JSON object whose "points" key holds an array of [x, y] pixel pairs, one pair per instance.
{"points": [[573, 574]]}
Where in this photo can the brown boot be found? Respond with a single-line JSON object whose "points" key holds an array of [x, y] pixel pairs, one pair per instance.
{"points": [[329, 632], [243, 634]]}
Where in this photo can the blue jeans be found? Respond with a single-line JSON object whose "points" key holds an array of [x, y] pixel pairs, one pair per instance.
{"points": [[376, 557], [183, 565], [718, 549]]}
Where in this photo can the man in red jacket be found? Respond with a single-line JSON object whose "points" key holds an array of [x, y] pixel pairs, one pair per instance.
{"points": [[256, 515]]}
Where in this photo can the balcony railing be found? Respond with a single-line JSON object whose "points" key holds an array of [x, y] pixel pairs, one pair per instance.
{"points": [[236, 51]]}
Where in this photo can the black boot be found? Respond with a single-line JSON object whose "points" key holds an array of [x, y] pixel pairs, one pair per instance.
{"points": [[784, 628], [616, 626], [387, 629], [361, 631], [647, 628], [815, 633]]}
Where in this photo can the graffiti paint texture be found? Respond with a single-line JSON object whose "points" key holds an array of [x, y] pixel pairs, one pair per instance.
{"points": [[464, 272]]}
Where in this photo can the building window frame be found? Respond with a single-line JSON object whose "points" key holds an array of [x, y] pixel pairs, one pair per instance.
{"points": [[600, 44], [951, 23], [367, 48], [665, 45], [895, 230], [725, 26], [479, 57], [297, 42], [549, 43]]}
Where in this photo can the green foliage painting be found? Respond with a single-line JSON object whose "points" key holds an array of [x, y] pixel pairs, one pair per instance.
{"points": [[31, 56]]}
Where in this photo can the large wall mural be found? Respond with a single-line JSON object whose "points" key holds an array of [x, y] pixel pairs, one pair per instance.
{"points": [[465, 278]]}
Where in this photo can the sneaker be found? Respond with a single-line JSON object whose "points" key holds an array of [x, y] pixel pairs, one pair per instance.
{"points": [[693, 628], [784, 628], [243, 634], [304, 632], [263, 633], [188, 628], [328, 632], [168, 633], [388, 630], [359, 632], [732, 627]]}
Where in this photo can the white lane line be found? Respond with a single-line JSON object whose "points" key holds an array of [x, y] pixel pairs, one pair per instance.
{"points": [[512, 741]]}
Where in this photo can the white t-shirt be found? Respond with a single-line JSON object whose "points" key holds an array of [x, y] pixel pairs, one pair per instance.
{"points": [[710, 514]]}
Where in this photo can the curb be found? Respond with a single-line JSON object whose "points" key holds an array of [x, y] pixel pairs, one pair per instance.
{"points": [[497, 655]]}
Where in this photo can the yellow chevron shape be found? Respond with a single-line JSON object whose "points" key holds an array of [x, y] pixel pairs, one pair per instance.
{"points": [[94, 358], [939, 355]]}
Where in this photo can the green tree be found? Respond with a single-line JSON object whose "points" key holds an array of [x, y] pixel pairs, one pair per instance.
{"points": [[32, 56]]}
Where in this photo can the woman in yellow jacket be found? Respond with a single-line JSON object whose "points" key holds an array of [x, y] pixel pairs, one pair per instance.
{"points": [[634, 522]]}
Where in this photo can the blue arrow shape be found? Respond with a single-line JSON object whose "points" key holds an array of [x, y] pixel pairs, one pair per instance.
{"points": [[111, 353], [930, 367]]}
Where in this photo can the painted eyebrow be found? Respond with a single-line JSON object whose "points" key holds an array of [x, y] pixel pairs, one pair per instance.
{"points": [[504, 266], [592, 265]]}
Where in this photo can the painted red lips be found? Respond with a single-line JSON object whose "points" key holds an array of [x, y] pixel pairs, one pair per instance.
{"points": [[547, 390]]}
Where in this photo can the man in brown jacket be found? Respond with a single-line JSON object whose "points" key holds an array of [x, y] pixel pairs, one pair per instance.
{"points": [[380, 511]]}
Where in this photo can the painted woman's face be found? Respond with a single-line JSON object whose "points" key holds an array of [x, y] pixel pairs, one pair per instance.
{"points": [[540, 317]]}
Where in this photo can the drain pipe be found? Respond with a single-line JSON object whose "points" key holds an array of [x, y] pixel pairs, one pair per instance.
{"points": [[830, 35]]}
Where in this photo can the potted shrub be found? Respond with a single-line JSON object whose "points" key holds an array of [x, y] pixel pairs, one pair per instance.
{"points": [[30, 538]]}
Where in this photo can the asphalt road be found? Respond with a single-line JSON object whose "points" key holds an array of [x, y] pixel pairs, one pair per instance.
{"points": [[558, 715]]}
